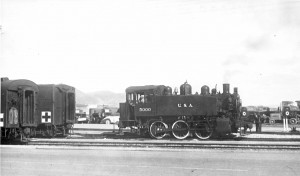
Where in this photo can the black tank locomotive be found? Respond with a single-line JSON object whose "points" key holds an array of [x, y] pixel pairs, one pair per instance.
{"points": [[159, 111]]}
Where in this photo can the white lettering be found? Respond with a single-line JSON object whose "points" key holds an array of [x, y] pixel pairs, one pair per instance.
{"points": [[144, 109], [180, 105]]}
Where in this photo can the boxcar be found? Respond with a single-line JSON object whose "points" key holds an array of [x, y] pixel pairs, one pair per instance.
{"points": [[18, 107], [56, 109]]}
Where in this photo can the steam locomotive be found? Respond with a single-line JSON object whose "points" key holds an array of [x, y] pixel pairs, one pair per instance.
{"points": [[157, 111], [28, 109]]}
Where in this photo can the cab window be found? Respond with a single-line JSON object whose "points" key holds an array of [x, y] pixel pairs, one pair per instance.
{"points": [[144, 98], [148, 98], [131, 98], [140, 98]]}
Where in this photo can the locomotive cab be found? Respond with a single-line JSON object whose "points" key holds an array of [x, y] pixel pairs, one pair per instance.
{"points": [[139, 102]]}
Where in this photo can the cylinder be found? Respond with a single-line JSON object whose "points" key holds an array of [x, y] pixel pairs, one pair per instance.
{"points": [[226, 89], [205, 90], [185, 89]]}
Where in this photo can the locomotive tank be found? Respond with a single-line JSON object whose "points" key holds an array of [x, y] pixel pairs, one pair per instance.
{"points": [[185, 106]]}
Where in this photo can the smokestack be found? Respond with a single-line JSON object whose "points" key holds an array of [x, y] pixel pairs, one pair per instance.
{"points": [[226, 88]]}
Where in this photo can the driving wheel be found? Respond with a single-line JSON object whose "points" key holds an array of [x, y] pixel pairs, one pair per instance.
{"points": [[180, 129], [203, 131], [158, 129]]}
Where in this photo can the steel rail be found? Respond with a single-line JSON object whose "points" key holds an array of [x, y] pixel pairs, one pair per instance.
{"points": [[166, 145]]}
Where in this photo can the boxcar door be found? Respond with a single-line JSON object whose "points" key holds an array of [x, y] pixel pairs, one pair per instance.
{"points": [[70, 108], [28, 106], [13, 109], [59, 114]]}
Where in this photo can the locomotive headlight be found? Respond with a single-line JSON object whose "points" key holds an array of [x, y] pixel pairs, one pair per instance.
{"points": [[244, 113], [287, 113]]}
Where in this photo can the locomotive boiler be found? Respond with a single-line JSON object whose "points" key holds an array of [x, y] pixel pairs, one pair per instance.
{"points": [[19, 108], [157, 111]]}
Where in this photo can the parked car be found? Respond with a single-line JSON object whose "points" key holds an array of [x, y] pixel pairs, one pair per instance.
{"points": [[82, 118], [274, 117], [110, 119]]}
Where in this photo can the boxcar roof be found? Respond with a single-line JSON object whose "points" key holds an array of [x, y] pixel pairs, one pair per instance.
{"points": [[65, 87], [15, 84], [62, 87], [143, 88]]}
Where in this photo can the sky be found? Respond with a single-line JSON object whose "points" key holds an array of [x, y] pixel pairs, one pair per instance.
{"points": [[97, 45]]}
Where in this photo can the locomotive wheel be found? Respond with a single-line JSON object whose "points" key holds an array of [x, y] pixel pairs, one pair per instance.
{"points": [[180, 129], [158, 129], [203, 131]]}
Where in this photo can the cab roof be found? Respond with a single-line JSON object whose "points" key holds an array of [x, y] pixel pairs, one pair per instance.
{"points": [[147, 88]]}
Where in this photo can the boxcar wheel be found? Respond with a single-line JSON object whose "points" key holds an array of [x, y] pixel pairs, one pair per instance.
{"points": [[157, 129], [180, 129]]}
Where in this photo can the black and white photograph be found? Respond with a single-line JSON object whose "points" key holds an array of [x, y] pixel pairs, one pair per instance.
{"points": [[150, 87]]}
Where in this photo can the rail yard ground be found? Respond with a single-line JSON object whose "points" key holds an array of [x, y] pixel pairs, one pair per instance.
{"points": [[98, 149], [66, 160]]}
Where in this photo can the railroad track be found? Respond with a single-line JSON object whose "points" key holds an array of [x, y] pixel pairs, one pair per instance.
{"points": [[170, 144]]}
